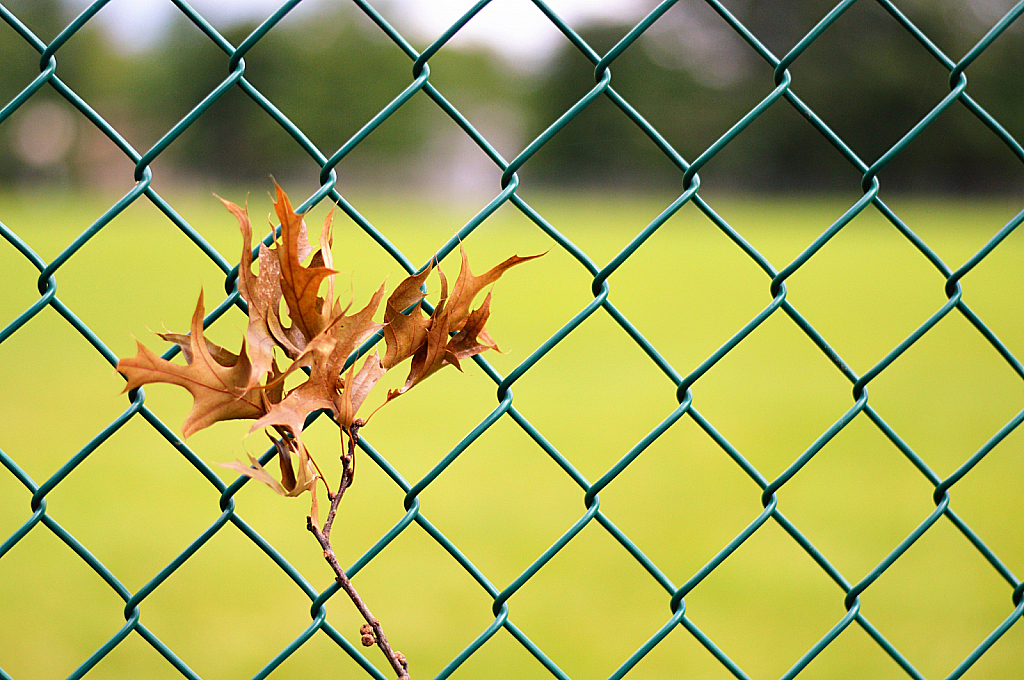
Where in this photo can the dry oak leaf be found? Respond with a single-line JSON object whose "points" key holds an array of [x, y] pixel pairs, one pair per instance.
{"points": [[426, 340], [217, 379], [300, 286], [431, 354], [355, 388], [261, 293], [297, 476], [404, 333], [467, 286], [324, 258], [222, 356], [292, 411], [326, 355], [349, 333], [466, 343]]}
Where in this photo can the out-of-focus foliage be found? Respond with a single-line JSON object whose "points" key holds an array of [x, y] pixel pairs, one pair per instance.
{"points": [[867, 78], [330, 70]]}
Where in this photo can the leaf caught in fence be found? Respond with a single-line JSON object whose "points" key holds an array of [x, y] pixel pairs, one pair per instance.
{"points": [[468, 286], [320, 337], [298, 473], [217, 379], [262, 293], [300, 285], [426, 339]]}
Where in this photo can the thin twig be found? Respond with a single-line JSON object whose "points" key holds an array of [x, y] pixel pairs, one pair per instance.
{"points": [[323, 536]]}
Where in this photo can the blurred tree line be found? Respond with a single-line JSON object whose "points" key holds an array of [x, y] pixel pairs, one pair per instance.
{"points": [[691, 76]]}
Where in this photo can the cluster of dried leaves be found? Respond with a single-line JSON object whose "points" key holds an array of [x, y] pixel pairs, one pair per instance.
{"points": [[320, 336]]}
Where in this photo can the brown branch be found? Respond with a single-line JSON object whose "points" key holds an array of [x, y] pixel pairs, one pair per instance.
{"points": [[323, 536]]}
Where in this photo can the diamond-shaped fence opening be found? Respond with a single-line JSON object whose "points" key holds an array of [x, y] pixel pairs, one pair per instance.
{"points": [[848, 555]]}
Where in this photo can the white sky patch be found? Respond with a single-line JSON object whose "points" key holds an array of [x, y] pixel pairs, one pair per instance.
{"points": [[515, 29]]}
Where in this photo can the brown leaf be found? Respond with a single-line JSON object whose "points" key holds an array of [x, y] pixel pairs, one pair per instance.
{"points": [[300, 286], [426, 340], [403, 336], [273, 390], [292, 411], [351, 331], [364, 381], [325, 355], [324, 258], [409, 292], [219, 392], [288, 339], [261, 293], [467, 286], [257, 472], [319, 347], [222, 356], [466, 343], [343, 335], [355, 388], [404, 333], [298, 473], [430, 356]]}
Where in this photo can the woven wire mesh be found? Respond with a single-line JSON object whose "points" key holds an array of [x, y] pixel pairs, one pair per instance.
{"points": [[783, 93]]}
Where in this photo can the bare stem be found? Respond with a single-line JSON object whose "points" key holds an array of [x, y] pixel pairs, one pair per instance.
{"points": [[323, 536]]}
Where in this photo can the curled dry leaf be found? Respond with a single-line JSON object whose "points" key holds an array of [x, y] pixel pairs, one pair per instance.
{"points": [[262, 294], [467, 341], [468, 286], [426, 339], [217, 379], [404, 331], [298, 473], [184, 342], [300, 285], [326, 356], [355, 388]]}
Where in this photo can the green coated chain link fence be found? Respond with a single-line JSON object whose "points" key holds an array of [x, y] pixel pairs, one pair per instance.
{"points": [[685, 380]]}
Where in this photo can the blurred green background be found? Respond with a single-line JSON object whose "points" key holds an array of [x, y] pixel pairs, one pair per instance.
{"points": [[330, 69], [136, 503]]}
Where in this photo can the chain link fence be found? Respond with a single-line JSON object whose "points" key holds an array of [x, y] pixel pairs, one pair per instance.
{"points": [[685, 380]]}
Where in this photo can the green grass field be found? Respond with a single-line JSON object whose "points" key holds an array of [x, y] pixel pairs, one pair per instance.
{"points": [[136, 503]]}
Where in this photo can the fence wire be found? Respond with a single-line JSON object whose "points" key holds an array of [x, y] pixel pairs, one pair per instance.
{"points": [[783, 92]]}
